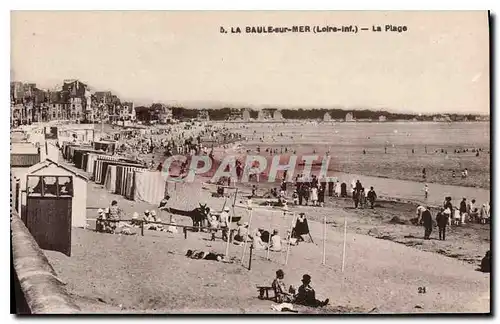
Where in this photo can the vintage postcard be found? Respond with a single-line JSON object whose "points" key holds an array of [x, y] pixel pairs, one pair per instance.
{"points": [[258, 162]]}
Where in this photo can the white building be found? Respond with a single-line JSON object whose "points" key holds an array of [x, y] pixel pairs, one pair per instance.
{"points": [[327, 117], [382, 118], [277, 115], [349, 117], [246, 115]]}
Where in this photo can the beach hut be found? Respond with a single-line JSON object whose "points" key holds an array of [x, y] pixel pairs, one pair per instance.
{"points": [[48, 213], [51, 168], [24, 155], [327, 117]]}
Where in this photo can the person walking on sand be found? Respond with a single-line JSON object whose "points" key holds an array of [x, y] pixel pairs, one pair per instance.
{"points": [[442, 221], [355, 197], [372, 196], [427, 221], [426, 190]]}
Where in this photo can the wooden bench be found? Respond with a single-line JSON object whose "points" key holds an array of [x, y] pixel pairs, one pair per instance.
{"points": [[264, 290]]}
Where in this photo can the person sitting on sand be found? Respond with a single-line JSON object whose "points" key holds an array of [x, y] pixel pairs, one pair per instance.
{"points": [[172, 228], [145, 217], [307, 296], [114, 214], [275, 242], [101, 217], [135, 219], [242, 233], [257, 242], [279, 287]]}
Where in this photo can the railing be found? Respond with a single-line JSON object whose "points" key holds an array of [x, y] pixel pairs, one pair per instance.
{"points": [[185, 228], [38, 290]]}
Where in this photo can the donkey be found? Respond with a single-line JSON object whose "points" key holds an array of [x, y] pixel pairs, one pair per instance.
{"points": [[198, 215]]}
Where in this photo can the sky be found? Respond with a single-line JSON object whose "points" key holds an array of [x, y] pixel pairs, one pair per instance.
{"points": [[440, 64]]}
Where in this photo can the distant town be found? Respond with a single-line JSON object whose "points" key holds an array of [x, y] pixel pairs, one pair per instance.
{"points": [[74, 102]]}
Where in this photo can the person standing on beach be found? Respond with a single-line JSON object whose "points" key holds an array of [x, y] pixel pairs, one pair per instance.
{"points": [[355, 197], [372, 196], [463, 206], [427, 221], [426, 190], [442, 221]]}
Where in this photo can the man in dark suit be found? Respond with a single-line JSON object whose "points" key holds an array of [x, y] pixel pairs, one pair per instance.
{"points": [[442, 221], [427, 221]]}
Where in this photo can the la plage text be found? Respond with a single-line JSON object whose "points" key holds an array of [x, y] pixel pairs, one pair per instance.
{"points": [[312, 29]]}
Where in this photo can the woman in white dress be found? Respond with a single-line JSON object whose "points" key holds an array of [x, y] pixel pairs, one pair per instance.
{"points": [[314, 196]]}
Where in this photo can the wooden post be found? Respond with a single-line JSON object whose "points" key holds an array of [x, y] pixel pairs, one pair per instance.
{"points": [[229, 226], [288, 247], [324, 240], [269, 241], [142, 228], [185, 233], [250, 260], [345, 235], [245, 243]]}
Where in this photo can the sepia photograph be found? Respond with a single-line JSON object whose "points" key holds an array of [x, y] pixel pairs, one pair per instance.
{"points": [[250, 162]]}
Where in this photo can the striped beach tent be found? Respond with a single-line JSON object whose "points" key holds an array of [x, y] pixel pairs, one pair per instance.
{"points": [[110, 180], [92, 158], [100, 167], [122, 172], [130, 185], [149, 186]]}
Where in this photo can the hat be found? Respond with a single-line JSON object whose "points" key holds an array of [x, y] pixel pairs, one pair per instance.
{"points": [[239, 223], [258, 234], [226, 209], [153, 213], [135, 215], [302, 214], [146, 211], [100, 211], [306, 277]]}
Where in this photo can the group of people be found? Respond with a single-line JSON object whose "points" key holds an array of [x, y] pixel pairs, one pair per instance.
{"points": [[111, 220], [449, 215], [304, 295], [361, 197]]}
